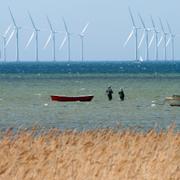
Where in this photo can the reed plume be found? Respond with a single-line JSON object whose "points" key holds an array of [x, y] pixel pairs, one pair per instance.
{"points": [[93, 154]]}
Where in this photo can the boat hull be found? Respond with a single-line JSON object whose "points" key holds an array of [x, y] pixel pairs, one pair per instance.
{"points": [[173, 100], [71, 98]]}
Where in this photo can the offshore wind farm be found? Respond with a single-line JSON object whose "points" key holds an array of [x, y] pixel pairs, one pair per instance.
{"points": [[158, 36], [15, 30]]}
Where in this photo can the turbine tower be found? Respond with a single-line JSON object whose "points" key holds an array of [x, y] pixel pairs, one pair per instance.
{"points": [[155, 35], [81, 35], [36, 34], [146, 35], [16, 28], [53, 37], [135, 33], [4, 38], [172, 38], [164, 35]]}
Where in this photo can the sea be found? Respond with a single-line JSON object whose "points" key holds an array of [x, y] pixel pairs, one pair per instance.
{"points": [[26, 87]]}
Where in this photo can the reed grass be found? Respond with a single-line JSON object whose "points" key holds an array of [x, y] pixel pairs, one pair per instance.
{"points": [[95, 154]]}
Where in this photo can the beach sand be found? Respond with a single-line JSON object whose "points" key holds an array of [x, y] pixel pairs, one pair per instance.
{"points": [[97, 154]]}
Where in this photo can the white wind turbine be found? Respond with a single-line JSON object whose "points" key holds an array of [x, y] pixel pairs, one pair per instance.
{"points": [[36, 34], [164, 36], [4, 38], [53, 37], [67, 37], [81, 35], [135, 33], [172, 39], [16, 29], [155, 35], [145, 35]]}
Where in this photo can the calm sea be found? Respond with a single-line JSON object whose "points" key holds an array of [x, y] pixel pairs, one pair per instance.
{"points": [[25, 90]]}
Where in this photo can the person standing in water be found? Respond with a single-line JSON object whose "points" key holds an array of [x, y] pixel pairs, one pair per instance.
{"points": [[121, 94], [109, 93]]}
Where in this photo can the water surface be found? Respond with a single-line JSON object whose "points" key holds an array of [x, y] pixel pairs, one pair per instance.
{"points": [[26, 88]]}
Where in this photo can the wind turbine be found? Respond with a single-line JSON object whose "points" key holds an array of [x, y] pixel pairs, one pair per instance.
{"points": [[164, 35], [81, 35], [155, 35], [53, 37], [172, 38], [36, 34], [146, 35], [16, 29], [67, 37], [135, 33], [4, 38]]}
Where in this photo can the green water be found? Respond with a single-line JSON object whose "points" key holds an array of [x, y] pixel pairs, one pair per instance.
{"points": [[25, 101]]}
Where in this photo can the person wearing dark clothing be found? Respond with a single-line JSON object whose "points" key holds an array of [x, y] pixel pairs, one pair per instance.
{"points": [[109, 93], [121, 94]]}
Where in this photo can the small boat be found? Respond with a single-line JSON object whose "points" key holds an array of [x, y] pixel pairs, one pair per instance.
{"points": [[63, 98], [173, 100]]}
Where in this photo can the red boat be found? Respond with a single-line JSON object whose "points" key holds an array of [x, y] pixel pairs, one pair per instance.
{"points": [[71, 98]]}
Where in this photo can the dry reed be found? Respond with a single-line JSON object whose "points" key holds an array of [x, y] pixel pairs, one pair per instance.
{"points": [[89, 155]]}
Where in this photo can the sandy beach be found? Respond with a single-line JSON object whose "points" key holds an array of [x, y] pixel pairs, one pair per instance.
{"points": [[95, 154]]}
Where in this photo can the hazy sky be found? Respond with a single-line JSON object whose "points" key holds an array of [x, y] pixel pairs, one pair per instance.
{"points": [[109, 26]]}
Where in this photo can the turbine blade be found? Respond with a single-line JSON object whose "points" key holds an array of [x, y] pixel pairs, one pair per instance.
{"points": [[151, 41], [162, 27], [65, 25], [142, 38], [129, 37], [84, 29], [142, 21], [132, 19], [8, 29], [153, 24], [14, 22], [33, 24], [29, 41], [168, 41], [169, 27], [49, 22], [63, 42], [160, 41], [47, 42], [10, 37]]}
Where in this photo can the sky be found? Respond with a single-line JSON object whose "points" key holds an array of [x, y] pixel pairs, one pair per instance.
{"points": [[109, 26]]}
